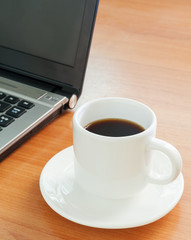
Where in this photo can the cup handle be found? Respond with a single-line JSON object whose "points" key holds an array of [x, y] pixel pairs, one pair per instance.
{"points": [[174, 156]]}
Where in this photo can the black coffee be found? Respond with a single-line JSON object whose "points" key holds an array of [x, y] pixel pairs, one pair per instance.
{"points": [[114, 127]]}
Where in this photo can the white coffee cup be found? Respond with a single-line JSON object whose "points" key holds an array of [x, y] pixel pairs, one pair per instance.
{"points": [[119, 167]]}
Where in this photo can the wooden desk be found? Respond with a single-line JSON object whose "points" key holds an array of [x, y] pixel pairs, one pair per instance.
{"points": [[142, 50]]}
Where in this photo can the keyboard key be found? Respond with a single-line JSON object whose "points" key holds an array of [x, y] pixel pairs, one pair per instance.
{"points": [[4, 106], [26, 104], [2, 95], [16, 111], [5, 120], [11, 99]]}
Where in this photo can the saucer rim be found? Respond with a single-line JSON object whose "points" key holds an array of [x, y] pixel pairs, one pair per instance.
{"points": [[180, 178]]}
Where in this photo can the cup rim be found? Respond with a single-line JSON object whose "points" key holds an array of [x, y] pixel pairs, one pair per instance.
{"points": [[141, 134]]}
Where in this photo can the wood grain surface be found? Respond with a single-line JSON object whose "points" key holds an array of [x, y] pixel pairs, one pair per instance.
{"points": [[141, 49]]}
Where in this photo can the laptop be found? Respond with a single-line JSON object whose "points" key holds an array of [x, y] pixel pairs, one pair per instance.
{"points": [[44, 46]]}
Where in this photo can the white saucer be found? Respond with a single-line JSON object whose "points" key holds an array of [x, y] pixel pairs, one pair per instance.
{"points": [[65, 197]]}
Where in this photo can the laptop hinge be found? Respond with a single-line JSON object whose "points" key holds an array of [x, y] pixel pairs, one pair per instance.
{"points": [[68, 91], [71, 93]]}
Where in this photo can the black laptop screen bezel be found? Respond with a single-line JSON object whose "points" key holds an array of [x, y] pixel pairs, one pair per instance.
{"points": [[50, 71]]}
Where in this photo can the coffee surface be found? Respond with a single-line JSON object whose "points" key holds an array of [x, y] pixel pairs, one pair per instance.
{"points": [[112, 127]]}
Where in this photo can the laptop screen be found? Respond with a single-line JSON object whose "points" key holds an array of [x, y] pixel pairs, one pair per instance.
{"points": [[47, 39]]}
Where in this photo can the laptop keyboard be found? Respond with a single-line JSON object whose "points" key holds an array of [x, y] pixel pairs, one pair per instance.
{"points": [[11, 108]]}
